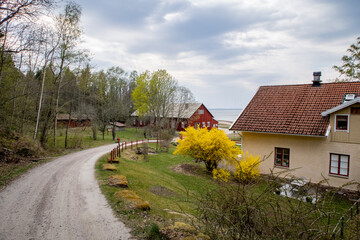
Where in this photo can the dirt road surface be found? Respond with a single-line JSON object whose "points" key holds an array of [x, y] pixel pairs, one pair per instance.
{"points": [[60, 200]]}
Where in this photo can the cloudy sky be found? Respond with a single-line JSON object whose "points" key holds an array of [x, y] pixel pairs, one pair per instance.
{"points": [[222, 50]]}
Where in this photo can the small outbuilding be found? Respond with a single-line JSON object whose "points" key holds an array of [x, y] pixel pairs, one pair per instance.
{"points": [[64, 119]]}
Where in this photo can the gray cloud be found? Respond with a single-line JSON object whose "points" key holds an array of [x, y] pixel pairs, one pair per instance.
{"points": [[227, 47]]}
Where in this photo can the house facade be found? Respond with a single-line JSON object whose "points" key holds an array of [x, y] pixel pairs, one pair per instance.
{"points": [[191, 114], [311, 129]]}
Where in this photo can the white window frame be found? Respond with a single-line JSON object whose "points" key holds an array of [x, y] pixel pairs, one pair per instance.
{"points": [[201, 111], [348, 123], [337, 164]]}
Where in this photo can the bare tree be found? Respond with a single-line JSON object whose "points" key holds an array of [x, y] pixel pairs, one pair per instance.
{"points": [[50, 43], [69, 32], [17, 16]]}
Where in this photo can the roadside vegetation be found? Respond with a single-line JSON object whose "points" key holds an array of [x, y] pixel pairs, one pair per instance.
{"points": [[186, 200]]}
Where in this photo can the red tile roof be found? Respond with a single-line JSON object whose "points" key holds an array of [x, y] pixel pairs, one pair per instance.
{"points": [[293, 109]]}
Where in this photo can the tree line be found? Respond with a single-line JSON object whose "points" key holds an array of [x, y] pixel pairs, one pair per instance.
{"points": [[44, 73]]}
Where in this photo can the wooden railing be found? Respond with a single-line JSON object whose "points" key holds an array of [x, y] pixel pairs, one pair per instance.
{"points": [[116, 152]]}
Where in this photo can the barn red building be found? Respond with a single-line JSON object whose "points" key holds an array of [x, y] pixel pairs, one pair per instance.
{"points": [[63, 120], [193, 114]]}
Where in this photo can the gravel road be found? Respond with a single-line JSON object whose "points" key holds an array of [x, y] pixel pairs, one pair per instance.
{"points": [[60, 200]]}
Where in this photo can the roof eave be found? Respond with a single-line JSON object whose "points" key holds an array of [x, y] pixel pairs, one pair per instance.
{"points": [[289, 134], [340, 107]]}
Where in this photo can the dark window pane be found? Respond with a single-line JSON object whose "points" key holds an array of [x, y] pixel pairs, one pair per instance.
{"points": [[341, 122]]}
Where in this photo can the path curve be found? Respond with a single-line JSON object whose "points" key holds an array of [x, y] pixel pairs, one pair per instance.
{"points": [[60, 200]]}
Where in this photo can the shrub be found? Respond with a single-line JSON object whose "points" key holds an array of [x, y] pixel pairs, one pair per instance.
{"points": [[210, 147]]}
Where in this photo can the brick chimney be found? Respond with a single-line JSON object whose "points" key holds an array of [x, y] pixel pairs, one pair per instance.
{"points": [[316, 81]]}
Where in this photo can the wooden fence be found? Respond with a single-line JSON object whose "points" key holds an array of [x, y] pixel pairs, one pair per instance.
{"points": [[116, 152]]}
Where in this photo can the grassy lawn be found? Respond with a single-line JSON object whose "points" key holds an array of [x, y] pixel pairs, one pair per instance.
{"points": [[83, 138], [171, 190], [160, 181]]}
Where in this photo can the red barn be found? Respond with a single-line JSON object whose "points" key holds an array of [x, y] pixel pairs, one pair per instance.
{"points": [[63, 120], [193, 114]]}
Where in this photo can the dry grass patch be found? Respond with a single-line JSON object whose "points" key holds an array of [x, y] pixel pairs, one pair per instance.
{"points": [[132, 199], [188, 169], [131, 154], [116, 160], [118, 181], [109, 167], [182, 231], [162, 191]]}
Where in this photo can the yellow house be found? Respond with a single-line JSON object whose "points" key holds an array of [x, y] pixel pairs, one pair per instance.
{"points": [[312, 129]]}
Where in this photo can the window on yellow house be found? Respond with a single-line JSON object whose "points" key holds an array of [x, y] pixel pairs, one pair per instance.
{"points": [[282, 157], [339, 164], [342, 122]]}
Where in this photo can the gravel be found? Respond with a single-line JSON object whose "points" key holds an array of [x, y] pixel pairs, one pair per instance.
{"points": [[60, 200]]}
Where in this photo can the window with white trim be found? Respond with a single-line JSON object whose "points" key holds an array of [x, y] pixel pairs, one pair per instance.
{"points": [[282, 157], [203, 125], [182, 125], [201, 111], [208, 124], [341, 122], [339, 164]]}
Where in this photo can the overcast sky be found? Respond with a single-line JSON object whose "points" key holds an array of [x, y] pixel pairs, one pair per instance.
{"points": [[222, 50]]}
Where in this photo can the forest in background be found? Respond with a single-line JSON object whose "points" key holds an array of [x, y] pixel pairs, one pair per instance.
{"points": [[44, 73]]}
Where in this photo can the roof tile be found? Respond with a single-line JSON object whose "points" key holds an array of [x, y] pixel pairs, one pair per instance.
{"points": [[293, 109]]}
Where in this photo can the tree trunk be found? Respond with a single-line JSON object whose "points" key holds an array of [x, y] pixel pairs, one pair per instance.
{"points": [[103, 131], [45, 128], [67, 127], [113, 131], [40, 103], [94, 131], [56, 112], [58, 93]]}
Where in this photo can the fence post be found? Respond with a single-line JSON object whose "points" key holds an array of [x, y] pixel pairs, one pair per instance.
{"points": [[157, 141]]}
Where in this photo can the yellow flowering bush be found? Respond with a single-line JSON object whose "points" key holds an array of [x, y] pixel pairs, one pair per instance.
{"points": [[210, 147], [247, 167], [221, 174]]}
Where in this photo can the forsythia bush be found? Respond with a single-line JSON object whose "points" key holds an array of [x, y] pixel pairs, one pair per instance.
{"points": [[244, 169], [210, 147]]}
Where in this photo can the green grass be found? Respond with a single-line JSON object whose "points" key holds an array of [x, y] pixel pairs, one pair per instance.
{"points": [[83, 138], [143, 176]]}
